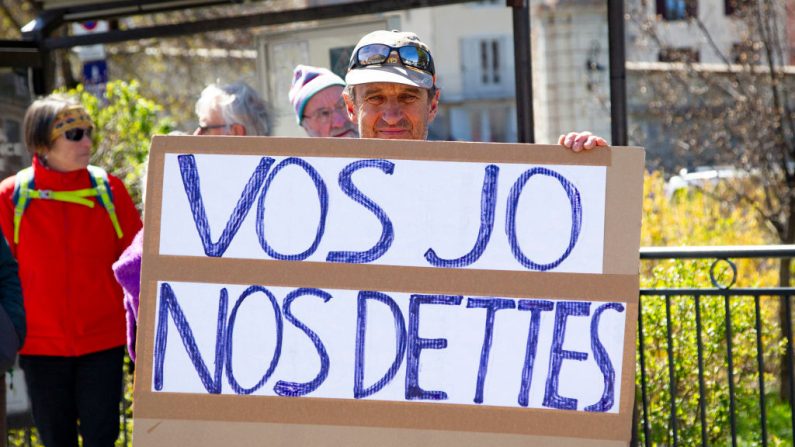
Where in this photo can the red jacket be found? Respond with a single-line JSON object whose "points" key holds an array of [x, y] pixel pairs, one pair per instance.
{"points": [[73, 304]]}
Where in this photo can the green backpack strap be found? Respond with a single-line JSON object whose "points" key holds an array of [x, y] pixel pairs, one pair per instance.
{"points": [[25, 191], [99, 179], [23, 183]]}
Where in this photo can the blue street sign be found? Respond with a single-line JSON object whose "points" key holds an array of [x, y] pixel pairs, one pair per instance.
{"points": [[95, 72]]}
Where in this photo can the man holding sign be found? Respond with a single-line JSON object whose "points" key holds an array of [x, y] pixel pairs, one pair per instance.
{"points": [[413, 292], [391, 90]]}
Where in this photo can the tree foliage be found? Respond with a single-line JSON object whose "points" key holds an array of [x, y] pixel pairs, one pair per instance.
{"points": [[174, 70], [14, 14], [695, 217], [736, 112]]}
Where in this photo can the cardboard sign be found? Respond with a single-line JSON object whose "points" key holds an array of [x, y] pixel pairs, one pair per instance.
{"points": [[369, 292]]}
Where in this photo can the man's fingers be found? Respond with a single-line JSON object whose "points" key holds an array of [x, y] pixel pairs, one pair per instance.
{"points": [[569, 142], [594, 141], [577, 141], [590, 143], [580, 140]]}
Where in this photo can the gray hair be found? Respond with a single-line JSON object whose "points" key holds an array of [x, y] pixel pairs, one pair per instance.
{"points": [[238, 104]]}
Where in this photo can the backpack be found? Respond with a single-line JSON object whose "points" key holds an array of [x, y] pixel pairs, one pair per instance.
{"points": [[24, 192]]}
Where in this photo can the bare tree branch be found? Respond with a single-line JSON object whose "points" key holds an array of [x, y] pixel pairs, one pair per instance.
{"points": [[7, 12]]}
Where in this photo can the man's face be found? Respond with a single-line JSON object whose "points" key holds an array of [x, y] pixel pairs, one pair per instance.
{"points": [[325, 115], [392, 111]]}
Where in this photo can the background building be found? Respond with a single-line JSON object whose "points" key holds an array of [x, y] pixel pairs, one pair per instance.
{"points": [[706, 31], [472, 46], [690, 66], [14, 100]]}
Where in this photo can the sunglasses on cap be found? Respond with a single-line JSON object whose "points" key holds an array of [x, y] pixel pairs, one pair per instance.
{"points": [[377, 54], [78, 133]]}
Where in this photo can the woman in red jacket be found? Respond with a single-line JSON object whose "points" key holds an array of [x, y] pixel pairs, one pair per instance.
{"points": [[66, 223]]}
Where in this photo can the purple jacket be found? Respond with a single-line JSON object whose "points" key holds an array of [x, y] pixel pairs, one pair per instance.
{"points": [[128, 273]]}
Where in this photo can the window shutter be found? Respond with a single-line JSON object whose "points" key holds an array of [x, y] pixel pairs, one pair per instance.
{"points": [[470, 61]]}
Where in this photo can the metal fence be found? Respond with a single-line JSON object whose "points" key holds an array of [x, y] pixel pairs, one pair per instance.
{"points": [[737, 340], [715, 363]]}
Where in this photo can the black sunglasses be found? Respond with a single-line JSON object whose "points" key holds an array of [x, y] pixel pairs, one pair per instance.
{"points": [[377, 54], [78, 133]]}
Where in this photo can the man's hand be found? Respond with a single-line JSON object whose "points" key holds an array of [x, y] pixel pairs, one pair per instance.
{"points": [[578, 141]]}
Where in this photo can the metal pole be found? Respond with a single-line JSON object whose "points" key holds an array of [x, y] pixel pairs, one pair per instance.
{"points": [[524, 71], [788, 361], [618, 72], [43, 77], [3, 428]]}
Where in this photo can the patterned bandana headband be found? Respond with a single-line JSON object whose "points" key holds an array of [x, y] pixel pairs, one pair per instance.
{"points": [[70, 118]]}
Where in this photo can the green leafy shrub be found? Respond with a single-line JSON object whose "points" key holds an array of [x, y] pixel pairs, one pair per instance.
{"points": [[696, 217]]}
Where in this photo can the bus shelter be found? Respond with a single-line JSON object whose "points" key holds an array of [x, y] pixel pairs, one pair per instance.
{"points": [[34, 51]]}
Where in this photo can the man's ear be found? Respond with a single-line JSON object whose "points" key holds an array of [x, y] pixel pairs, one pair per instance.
{"points": [[350, 107], [434, 105], [238, 129]]}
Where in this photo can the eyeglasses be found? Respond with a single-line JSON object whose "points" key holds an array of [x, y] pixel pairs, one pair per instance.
{"points": [[323, 115], [203, 129], [78, 133], [377, 54]]}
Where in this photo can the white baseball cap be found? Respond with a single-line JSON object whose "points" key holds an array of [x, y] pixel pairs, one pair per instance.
{"points": [[393, 68]]}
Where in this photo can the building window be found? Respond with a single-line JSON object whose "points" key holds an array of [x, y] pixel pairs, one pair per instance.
{"points": [[677, 9], [678, 55], [491, 125], [732, 7], [487, 66], [747, 53], [490, 61], [13, 131], [340, 58], [483, 122]]}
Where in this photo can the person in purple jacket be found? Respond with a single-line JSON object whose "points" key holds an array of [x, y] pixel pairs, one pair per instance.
{"points": [[128, 273]]}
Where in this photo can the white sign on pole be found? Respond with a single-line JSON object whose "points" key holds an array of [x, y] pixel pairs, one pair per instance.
{"points": [[87, 53]]}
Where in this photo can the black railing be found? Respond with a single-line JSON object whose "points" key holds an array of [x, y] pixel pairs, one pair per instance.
{"points": [[707, 382]]}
